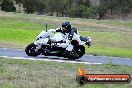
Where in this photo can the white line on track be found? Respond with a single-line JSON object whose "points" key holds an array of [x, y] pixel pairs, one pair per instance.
{"points": [[51, 60], [11, 49]]}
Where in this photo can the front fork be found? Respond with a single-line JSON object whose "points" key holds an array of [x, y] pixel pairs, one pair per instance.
{"points": [[38, 45]]}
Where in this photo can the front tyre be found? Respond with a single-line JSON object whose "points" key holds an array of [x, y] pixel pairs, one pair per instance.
{"points": [[30, 50]]}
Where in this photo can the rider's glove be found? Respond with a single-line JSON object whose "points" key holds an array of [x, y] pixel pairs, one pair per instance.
{"points": [[58, 30]]}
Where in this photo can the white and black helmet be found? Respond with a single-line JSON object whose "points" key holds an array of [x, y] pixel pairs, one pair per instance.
{"points": [[67, 26]]}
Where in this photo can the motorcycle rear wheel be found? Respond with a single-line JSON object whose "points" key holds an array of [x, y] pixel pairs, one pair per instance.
{"points": [[79, 51]]}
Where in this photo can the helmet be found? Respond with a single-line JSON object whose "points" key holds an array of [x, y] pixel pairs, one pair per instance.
{"points": [[66, 27]]}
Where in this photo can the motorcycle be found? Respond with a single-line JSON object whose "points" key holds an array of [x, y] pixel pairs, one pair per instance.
{"points": [[52, 49]]}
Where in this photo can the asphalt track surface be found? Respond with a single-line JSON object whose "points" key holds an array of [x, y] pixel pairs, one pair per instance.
{"points": [[86, 59]]}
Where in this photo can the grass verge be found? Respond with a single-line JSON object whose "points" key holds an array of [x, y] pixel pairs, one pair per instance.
{"points": [[36, 74]]}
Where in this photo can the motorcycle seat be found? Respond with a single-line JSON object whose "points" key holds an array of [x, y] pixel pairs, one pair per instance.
{"points": [[84, 38]]}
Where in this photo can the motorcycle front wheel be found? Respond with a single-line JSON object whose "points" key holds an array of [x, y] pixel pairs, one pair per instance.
{"points": [[30, 50]]}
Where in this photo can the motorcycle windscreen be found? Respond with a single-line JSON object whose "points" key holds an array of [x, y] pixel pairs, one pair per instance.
{"points": [[43, 34]]}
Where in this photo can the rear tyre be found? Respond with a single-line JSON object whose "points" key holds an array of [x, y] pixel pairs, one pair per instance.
{"points": [[76, 54], [80, 50], [30, 50]]}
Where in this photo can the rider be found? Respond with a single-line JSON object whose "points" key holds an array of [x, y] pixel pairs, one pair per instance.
{"points": [[71, 34], [68, 34]]}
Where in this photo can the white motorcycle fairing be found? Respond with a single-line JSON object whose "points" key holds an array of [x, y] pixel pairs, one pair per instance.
{"points": [[49, 43], [44, 37]]}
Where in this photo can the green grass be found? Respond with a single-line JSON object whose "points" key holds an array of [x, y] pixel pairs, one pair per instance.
{"points": [[18, 30], [36, 74], [18, 36], [109, 51], [116, 22]]}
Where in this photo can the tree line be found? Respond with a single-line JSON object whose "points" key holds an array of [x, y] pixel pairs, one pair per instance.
{"points": [[70, 8]]}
